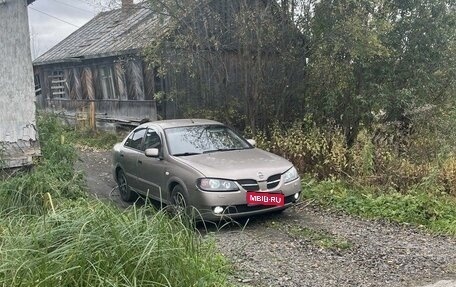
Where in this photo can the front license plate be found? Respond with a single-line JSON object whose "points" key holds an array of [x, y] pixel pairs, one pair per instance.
{"points": [[264, 198]]}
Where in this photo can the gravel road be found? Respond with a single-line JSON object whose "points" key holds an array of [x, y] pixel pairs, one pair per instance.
{"points": [[308, 246]]}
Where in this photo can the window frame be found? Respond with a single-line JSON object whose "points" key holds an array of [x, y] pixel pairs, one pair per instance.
{"points": [[58, 84], [106, 78]]}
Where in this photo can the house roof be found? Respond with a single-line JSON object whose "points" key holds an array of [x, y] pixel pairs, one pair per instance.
{"points": [[111, 33]]}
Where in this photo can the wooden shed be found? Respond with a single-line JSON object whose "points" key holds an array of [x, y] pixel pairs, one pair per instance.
{"points": [[18, 137]]}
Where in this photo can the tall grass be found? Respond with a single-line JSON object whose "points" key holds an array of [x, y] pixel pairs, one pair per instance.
{"points": [[52, 234], [93, 244]]}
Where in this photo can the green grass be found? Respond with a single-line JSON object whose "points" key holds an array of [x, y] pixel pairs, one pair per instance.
{"points": [[52, 234], [90, 243], [434, 211]]}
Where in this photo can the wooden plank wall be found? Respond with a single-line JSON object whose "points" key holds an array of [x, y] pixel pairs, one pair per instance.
{"points": [[83, 84], [83, 78]]}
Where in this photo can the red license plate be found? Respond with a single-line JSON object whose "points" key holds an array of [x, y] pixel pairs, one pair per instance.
{"points": [[264, 198]]}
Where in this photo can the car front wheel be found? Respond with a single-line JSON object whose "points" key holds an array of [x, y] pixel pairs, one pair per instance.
{"points": [[178, 200]]}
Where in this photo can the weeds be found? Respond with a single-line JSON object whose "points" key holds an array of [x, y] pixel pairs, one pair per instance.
{"points": [[89, 243], [383, 157], [53, 174]]}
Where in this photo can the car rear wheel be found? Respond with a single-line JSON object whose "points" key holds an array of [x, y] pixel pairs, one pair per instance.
{"points": [[126, 194]]}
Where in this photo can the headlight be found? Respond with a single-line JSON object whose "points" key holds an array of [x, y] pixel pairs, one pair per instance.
{"points": [[290, 175], [214, 184]]}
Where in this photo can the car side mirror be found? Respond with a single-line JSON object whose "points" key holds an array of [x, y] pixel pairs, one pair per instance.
{"points": [[152, 152], [252, 142]]}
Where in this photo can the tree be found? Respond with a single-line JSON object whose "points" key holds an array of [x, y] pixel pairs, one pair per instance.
{"points": [[377, 56], [345, 46], [241, 58]]}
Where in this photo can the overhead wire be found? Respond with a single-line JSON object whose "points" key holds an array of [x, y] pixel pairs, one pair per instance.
{"points": [[52, 16], [75, 7]]}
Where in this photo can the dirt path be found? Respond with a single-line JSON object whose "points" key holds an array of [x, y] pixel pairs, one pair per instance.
{"points": [[307, 246]]}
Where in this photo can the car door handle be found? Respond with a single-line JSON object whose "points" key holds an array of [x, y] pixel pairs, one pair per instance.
{"points": [[121, 155], [139, 161]]}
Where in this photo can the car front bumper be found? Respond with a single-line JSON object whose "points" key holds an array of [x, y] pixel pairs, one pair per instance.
{"points": [[235, 205]]}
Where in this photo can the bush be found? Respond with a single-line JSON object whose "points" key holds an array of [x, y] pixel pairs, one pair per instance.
{"points": [[312, 150]]}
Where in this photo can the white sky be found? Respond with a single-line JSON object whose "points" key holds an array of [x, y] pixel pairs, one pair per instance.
{"points": [[46, 31]]}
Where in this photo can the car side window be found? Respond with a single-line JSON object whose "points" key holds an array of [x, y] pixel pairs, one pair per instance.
{"points": [[135, 139], [152, 140]]}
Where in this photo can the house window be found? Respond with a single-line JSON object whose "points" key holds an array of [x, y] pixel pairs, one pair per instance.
{"points": [[107, 83], [58, 83]]}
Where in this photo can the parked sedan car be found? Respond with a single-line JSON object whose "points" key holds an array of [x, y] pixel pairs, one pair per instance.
{"points": [[206, 165]]}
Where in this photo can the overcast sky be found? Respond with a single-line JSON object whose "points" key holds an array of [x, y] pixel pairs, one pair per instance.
{"points": [[53, 20]]}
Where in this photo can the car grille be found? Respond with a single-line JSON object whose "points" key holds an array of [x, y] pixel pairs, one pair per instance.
{"points": [[274, 181], [252, 185], [249, 184]]}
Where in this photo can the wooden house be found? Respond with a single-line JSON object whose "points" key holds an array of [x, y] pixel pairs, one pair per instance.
{"points": [[18, 137], [101, 64]]}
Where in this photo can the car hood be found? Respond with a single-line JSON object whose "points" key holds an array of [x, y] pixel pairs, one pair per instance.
{"points": [[238, 164]]}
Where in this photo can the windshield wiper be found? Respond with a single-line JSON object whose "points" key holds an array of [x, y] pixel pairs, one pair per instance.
{"points": [[186, 153], [222, 149]]}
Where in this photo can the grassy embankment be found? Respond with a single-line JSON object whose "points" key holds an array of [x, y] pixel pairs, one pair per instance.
{"points": [[52, 234], [411, 179]]}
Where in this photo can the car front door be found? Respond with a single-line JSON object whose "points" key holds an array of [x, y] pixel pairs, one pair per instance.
{"points": [[151, 170], [129, 154]]}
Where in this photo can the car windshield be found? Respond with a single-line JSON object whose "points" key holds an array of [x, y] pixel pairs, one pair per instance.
{"points": [[192, 140]]}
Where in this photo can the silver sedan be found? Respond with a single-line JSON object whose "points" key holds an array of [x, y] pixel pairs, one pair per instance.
{"points": [[205, 166]]}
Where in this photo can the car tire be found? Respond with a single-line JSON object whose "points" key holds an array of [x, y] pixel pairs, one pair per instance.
{"points": [[179, 200], [126, 194]]}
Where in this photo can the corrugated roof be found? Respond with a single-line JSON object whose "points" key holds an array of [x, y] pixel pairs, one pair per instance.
{"points": [[110, 33]]}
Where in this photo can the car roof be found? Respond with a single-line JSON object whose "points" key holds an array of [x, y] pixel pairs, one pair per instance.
{"points": [[180, 123]]}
